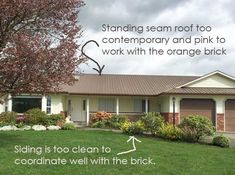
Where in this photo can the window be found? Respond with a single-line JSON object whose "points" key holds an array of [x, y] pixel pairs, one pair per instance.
{"points": [[139, 105], [22, 104], [6, 105], [48, 104], [69, 107], [106, 104], [84, 105]]}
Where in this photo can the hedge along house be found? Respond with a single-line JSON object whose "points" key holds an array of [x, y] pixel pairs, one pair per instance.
{"points": [[211, 95]]}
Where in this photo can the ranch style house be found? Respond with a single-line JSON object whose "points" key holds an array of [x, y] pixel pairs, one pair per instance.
{"points": [[211, 95]]}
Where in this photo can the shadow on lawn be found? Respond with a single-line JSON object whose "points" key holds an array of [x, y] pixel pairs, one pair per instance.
{"points": [[8, 139]]}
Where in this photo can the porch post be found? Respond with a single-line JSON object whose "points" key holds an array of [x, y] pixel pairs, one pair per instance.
{"points": [[2, 108], [220, 114], [9, 105], [117, 106], [44, 103], [173, 101], [146, 105], [87, 111]]}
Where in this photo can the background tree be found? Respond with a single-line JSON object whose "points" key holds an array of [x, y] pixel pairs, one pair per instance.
{"points": [[38, 44]]}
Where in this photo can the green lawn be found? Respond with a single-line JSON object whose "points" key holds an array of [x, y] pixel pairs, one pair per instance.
{"points": [[169, 157]]}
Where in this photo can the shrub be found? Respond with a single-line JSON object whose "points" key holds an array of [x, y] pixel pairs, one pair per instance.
{"points": [[35, 116], [116, 121], [53, 119], [152, 122], [221, 141], [194, 127], [99, 124], [125, 127], [168, 131], [69, 126], [20, 119], [20, 125], [132, 128], [8, 118], [100, 116], [60, 123]]}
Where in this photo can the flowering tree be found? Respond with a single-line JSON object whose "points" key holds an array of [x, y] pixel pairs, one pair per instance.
{"points": [[38, 44]]}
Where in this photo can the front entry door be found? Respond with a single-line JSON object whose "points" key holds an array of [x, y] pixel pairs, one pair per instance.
{"points": [[77, 109]]}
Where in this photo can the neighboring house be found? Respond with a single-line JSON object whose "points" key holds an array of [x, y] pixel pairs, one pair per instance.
{"points": [[211, 95]]}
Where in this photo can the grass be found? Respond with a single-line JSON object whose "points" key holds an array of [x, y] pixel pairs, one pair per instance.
{"points": [[169, 157]]}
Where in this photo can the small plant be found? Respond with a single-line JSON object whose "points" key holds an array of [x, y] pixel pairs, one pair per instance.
{"points": [[168, 131], [20, 119], [20, 125], [99, 124], [60, 123], [100, 116], [133, 128], [113, 121], [125, 127], [194, 127], [152, 122], [221, 141], [8, 118], [69, 126], [116, 121], [53, 119]]}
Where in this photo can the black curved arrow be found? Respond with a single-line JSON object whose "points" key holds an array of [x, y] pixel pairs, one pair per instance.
{"points": [[100, 69]]}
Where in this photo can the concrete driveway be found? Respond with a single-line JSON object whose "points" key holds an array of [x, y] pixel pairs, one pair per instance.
{"points": [[228, 134], [231, 136]]}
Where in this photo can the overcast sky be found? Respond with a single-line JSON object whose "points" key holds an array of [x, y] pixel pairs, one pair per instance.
{"points": [[220, 14]]}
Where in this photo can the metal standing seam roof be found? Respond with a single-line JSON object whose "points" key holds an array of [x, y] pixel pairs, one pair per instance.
{"points": [[202, 91], [136, 85]]}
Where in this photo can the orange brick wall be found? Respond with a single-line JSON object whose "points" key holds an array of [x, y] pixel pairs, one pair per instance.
{"points": [[220, 122], [169, 117]]}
